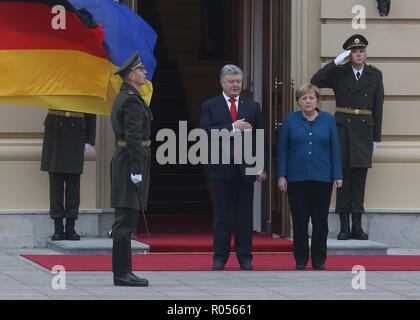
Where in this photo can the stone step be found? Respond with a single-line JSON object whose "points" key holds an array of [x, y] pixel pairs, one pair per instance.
{"points": [[93, 246], [104, 246], [355, 247]]}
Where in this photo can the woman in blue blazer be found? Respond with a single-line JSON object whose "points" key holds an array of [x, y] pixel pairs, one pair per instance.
{"points": [[308, 166]]}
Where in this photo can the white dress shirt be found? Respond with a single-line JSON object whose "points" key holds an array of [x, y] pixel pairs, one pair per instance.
{"points": [[356, 71]]}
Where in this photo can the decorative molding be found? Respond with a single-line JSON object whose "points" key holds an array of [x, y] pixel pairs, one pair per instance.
{"points": [[397, 152], [28, 150], [299, 51]]}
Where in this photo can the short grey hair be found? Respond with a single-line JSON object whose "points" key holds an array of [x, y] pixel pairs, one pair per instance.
{"points": [[230, 69]]}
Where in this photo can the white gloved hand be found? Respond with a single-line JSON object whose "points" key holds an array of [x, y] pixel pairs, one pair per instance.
{"points": [[136, 178], [340, 58], [375, 144], [87, 147]]}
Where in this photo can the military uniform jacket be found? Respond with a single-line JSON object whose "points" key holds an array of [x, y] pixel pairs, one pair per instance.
{"points": [[64, 142], [356, 132], [131, 121]]}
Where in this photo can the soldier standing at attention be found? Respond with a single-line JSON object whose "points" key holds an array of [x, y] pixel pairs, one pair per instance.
{"points": [[67, 136], [131, 121], [359, 95]]}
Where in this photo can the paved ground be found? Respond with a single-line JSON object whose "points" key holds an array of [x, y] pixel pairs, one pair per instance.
{"points": [[21, 279]]}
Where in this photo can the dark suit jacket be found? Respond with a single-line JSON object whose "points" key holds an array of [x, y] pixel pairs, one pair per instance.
{"points": [[356, 132], [215, 115]]}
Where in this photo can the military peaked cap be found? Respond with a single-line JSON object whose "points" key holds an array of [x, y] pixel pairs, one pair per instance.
{"points": [[355, 41], [129, 65]]}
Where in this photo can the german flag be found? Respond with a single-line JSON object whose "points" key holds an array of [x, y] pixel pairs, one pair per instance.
{"points": [[52, 56]]}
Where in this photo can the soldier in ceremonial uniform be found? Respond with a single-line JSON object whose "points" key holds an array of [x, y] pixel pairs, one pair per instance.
{"points": [[359, 94], [131, 121], [67, 136]]}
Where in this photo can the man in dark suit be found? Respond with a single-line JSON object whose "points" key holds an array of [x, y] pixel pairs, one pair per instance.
{"points": [[67, 136], [130, 167], [231, 184], [359, 94]]}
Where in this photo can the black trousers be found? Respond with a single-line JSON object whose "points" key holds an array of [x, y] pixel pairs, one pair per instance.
{"points": [[238, 195], [351, 196], [64, 195], [309, 199], [125, 223]]}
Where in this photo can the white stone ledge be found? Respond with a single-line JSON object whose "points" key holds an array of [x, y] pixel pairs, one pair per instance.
{"points": [[387, 211], [46, 211]]}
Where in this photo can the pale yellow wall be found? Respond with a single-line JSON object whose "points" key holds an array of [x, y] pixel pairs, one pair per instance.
{"points": [[394, 180], [22, 185]]}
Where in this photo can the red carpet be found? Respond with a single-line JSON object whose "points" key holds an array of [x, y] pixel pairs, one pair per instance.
{"points": [[204, 243], [203, 262]]}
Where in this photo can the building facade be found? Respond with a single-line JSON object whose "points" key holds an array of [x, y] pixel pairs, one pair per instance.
{"points": [[279, 44]]}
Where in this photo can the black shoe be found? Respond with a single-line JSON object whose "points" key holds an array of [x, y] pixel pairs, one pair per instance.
{"points": [[58, 230], [71, 236], [127, 280], [246, 265], [318, 266], [218, 265], [356, 228], [300, 266], [70, 233], [344, 227], [121, 265], [360, 235], [134, 277], [58, 236]]}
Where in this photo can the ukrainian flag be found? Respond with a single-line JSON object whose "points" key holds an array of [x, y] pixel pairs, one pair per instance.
{"points": [[67, 68], [125, 33]]}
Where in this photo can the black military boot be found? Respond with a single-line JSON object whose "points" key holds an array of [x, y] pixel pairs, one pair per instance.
{"points": [[133, 276], [121, 266], [356, 228], [58, 230], [345, 227], [70, 233]]}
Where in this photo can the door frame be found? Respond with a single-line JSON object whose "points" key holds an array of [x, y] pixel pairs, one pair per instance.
{"points": [[277, 25]]}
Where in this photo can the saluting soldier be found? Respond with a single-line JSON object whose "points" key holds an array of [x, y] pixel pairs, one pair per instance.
{"points": [[131, 121], [67, 136], [359, 95]]}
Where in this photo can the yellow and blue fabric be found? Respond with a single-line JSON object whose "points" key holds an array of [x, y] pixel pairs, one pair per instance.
{"points": [[125, 33]]}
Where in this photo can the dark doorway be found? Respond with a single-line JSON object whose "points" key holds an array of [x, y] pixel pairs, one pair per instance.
{"points": [[195, 39]]}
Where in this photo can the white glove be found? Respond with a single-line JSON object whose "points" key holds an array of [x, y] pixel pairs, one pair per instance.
{"points": [[136, 178], [87, 147], [341, 57], [375, 144]]}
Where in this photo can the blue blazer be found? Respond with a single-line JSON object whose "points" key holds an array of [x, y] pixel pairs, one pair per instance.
{"points": [[309, 152], [215, 115]]}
